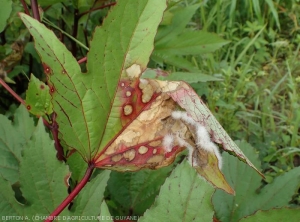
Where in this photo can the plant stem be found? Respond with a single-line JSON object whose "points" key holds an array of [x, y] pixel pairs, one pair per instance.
{"points": [[35, 10], [95, 9], [82, 60], [17, 97], [26, 10], [73, 194]]}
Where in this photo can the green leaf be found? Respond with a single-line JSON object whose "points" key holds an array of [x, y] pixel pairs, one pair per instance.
{"points": [[42, 176], [275, 215], [77, 166], [38, 99], [88, 202], [246, 182], [23, 123], [191, 43], [12, 140], [183, 197], [190, 77], [105, 214], [5, 10], [182, 15], [8, 204], [138, 189], [173, 60]]}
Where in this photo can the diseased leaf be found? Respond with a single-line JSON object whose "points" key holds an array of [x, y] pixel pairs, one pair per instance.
{"points": [[246, 183], [116, 120], [274, 215], [89, 120], [38, 99], [183, 197], [187, 99]]}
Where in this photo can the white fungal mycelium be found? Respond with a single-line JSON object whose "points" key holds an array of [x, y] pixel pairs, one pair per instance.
{"points": [[202, 139], [168, 142]]}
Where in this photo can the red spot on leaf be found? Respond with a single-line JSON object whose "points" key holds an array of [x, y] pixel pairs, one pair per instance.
{"points": [[52, 89], [42, 86], [28, 107], [47, 69], [63, 71]]}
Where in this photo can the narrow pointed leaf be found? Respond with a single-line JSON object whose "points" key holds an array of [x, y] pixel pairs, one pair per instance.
{"points": [[183, 197], [179, 21], [192, 43]]}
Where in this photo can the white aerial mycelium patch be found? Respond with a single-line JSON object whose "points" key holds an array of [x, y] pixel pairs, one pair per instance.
{"points": [[202, 139]]}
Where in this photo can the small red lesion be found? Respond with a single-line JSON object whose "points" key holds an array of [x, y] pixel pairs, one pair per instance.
{"points": [[64, 71], [52, 89], [42, 86], [47, 69], [28, 107]]}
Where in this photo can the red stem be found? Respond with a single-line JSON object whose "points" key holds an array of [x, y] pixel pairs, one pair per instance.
{"points": [[72, 195], [82, 60], [26, 10], [35, 10], [94, 9], [17, 97]]}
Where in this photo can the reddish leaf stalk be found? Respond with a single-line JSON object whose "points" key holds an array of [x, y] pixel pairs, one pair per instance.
{"points": [[17, 97], [82, 60], [26, 10], [35, 10], [73, 194], [95, 9], [54, 130]]}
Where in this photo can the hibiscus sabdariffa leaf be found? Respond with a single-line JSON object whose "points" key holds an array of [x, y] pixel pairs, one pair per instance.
{"points": [[90, 106], [116, 120]]}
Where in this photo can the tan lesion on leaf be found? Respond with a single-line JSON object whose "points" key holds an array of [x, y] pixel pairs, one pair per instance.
{"points": [[129, 155], [157, 159], [143, 149], [134, 71], [127, 110], [148, 126], [117, 158], [155, 143]]}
